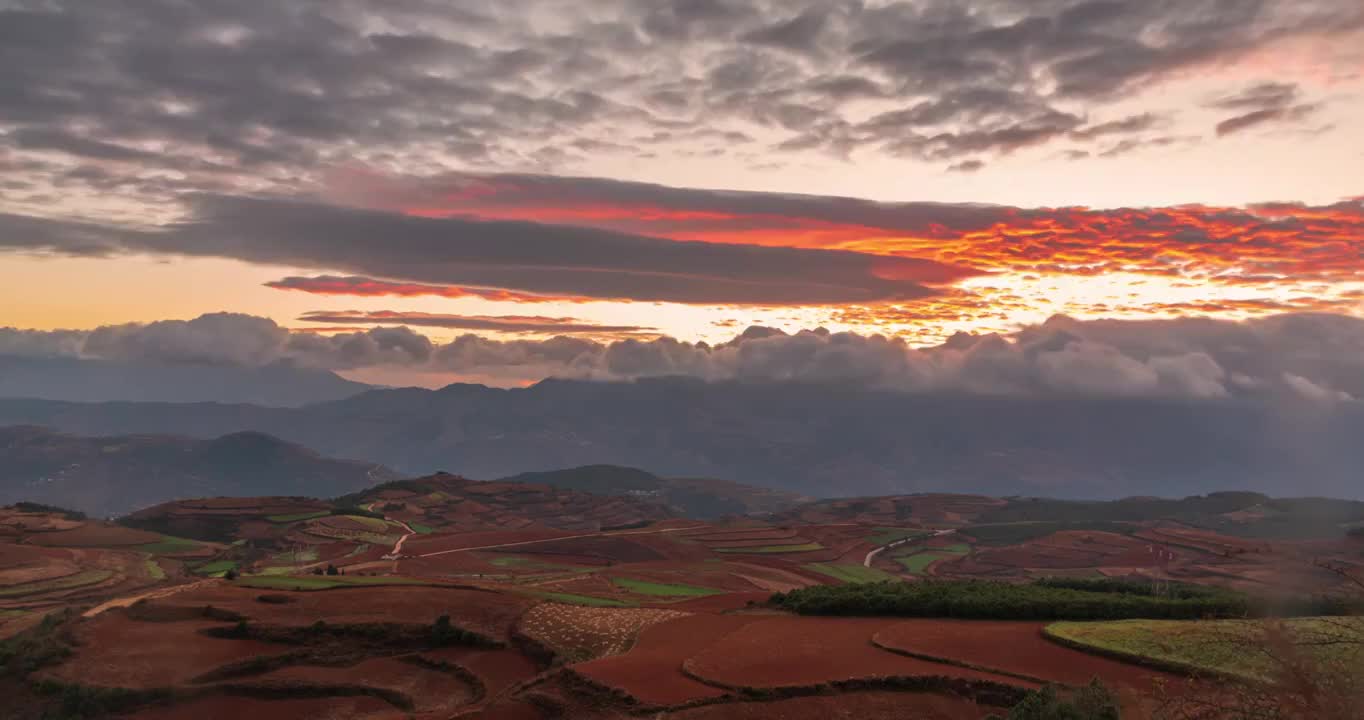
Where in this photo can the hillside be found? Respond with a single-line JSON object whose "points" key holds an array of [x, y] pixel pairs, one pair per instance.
{"points": [[809, 439], [105, 476], [700, 498]]}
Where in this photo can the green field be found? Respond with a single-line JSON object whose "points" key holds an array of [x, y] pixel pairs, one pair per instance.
{"points": [[421, 529], [571, 599], [644, 587], [298, 517], [154, 570], [1020, 532], [888, 535], [850, 573], [217, 568], [772, 549], [918, 562], [322, 582], [80, 579], [169, 546], [296, 557], [1227, 647]]}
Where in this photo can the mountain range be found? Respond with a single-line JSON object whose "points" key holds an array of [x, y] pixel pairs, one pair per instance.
{"points": [[105, 476], [810, 439]]}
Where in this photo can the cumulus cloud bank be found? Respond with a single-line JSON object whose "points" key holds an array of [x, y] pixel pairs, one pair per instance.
{"points": [[1316, 357]]}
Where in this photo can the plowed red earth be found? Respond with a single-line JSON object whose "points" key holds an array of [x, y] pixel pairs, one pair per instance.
{"points": [[792, 651], [652, 670], [847, 706], [430, 691], [93, 535], [118, 652], [235, 708], [498, 669], [486, 612], [1017, 647], [439, 543]]}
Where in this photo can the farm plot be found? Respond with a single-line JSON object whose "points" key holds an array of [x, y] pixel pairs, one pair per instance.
{"points": [[850, 573], [814, 651], [918, 562], [430, 691], [659, 589], [1013, 648], [579, 634], [772, 549], [93, 535], [651, 671], [1227, 647]]}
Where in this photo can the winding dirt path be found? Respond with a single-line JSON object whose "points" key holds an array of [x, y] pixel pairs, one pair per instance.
{"points": [[150, 595]]}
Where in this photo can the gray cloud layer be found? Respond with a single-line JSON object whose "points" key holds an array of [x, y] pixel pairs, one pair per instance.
{"points": [[545, 259], [210, 95], [1312, 356]]}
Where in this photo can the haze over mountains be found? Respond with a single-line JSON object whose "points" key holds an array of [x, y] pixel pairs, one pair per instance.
{"points": [[813, 439], [87, 380], [113, 475]]}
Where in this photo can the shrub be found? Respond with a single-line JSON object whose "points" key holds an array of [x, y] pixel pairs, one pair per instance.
{"points": [[47, 643], [1092, 702], [1049, 600], [331, 570]]}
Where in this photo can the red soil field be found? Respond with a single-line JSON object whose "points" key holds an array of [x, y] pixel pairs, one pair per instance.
{"points": [[755, 534], [488, 612], [1016, 647], [788, 651], [235, 708], [762, 542], [95, 535], [846, 706], [614, 548], [116, 651], [652, 670], [430, 691], [498, 669], [720, 603]]}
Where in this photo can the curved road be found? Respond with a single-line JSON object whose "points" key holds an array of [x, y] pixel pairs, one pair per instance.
{"points": [[866, 562]]}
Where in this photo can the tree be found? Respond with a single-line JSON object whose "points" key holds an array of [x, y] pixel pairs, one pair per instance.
{"points": [[1092, 702], [331, 570], [230, 575]]}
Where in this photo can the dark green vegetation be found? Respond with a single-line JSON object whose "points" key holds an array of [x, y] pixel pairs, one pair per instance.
{"points": [[106, 476], [1092, 702], [47, 643], [1052, 599]]}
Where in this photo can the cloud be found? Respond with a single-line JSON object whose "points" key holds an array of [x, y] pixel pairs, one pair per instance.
{"points": [[537, 325], [369, 287], [518, 256], [201, 96], [1262, 104], [1316, 357]]}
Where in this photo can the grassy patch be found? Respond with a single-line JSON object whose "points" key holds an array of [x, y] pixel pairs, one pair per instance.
{"points": [[169, 545], [1226, 647], [154, 570], [421, 529], [917, 564], [298, 517], [572, 599], [217, 568], [322, 582], [645, 587], [296, 557], [888, 535], [850, 573], [772, 549], [373, 524], [80, 579]]}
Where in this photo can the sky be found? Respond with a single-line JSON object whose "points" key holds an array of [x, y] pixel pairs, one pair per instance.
{"points": [[304, 180]]}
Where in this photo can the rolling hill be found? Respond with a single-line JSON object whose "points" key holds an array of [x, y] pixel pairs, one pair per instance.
{"points": [[106, 476]]}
